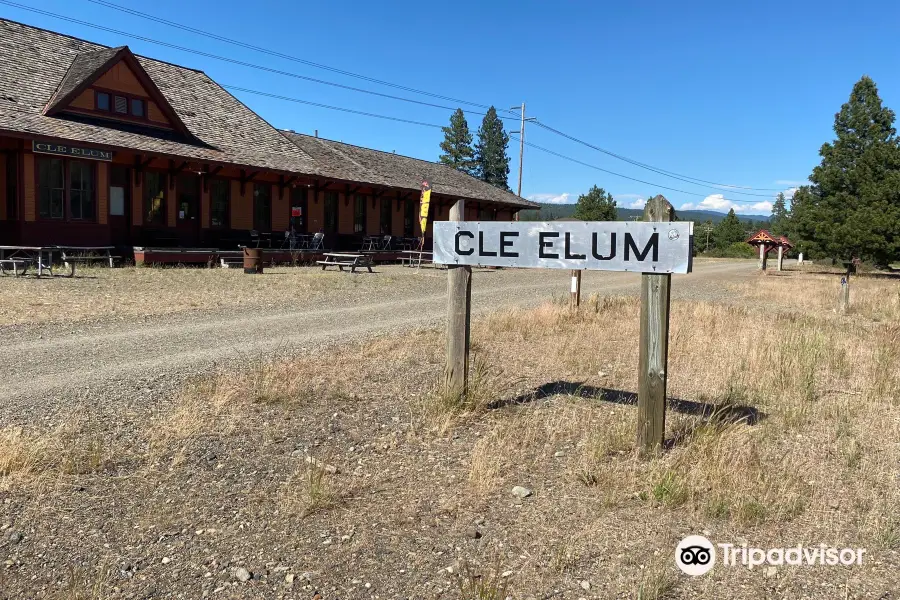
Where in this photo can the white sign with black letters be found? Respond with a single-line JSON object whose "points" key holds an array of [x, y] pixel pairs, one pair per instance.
{"points": [[638, 246]]}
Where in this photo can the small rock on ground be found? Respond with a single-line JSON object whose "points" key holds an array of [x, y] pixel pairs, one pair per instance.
{"points": [[521, 492]]}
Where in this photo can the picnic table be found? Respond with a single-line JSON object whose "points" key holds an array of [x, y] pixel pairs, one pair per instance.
{"points": [[20, 258], [341, 260], [415, 258], [24, 257], [73, 255]]}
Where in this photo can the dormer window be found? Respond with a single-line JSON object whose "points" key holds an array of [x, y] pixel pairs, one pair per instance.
{"points": [[120, 104]]}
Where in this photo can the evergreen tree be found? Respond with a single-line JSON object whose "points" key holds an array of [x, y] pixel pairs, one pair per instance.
{"points": [[729, 231], [491, 160], [852, 208], [596, 205], [457, 144], [778, 222]]}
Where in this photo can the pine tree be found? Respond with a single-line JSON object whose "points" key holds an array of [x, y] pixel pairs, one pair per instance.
{"points": [[852, 208], [729, 231], [778, 222], [491, 160], [457, 144], [596, 205]]}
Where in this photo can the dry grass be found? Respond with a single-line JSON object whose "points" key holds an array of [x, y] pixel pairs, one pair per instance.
{"points": [[74, 448], [784, 426], [871, 298], [143, 291]]}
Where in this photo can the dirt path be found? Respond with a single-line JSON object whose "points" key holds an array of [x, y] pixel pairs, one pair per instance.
{"points": [[59, 367]]}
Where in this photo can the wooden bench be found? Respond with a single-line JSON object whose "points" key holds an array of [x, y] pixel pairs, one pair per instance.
{"points": [[341, 260]]}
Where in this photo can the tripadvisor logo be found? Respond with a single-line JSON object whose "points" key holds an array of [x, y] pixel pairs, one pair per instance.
{"points": [[695, 555]]}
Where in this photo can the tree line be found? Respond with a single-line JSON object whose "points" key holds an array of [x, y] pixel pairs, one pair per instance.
{"points": [[851, 208], [486, 159]]}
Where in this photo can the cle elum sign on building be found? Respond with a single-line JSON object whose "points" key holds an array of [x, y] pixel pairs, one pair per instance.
{"points": [[69, 150], [643, 247]]}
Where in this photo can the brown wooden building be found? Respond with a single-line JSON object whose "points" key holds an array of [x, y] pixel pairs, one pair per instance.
{"points": [[102, 147]]}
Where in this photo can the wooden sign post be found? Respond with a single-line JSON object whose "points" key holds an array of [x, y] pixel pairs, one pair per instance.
{"points": [[459, 302], [656, 248], [576, 288], [654, 345]]}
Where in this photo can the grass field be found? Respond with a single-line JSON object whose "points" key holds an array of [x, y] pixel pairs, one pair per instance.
{"points": [[362, 480]]}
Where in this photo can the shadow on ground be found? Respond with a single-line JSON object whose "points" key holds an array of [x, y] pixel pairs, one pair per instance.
{"points": [[720, 413]]}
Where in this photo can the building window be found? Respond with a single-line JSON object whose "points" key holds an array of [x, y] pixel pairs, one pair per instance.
{"points": [[65, 189], [409, 218], [81, 191], [262, 207], [359, 214], [51, 188], [155, 198], [485, 214], [387, 224], [331, 212], [12, 190], [219, 200], [137, 107], [298, 209], [121, 105]]}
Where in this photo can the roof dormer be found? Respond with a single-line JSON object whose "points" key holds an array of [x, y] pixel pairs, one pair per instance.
{"points": [[110, 84]]}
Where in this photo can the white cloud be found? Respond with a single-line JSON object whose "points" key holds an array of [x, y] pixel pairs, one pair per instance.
{"points": [[637, 201], [789, 193], [563, 198], [719, 203]]}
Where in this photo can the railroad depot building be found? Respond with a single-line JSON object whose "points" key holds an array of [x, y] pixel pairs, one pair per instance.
{"points": [[101, 147]]}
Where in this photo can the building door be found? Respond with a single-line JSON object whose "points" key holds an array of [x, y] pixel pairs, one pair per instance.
{"points": [[187, 193], [119, 206]]}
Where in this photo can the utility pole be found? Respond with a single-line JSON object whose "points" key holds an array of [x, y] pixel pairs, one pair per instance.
{"points": [[708, 230], [521, 133]]}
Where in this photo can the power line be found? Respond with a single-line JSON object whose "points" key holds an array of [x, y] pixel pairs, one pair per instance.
{"points": [[432, 125], [595, 167], [315, 80], [232, 60], [685, 178], [297, 59], [320, 105]]}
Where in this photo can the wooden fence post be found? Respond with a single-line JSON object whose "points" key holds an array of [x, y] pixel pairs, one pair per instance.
{"points": [[459, 301], [845, 289], [654, 345], [576, 288]]}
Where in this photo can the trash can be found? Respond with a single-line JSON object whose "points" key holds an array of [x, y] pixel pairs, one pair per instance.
{"points": [[253, 260]]}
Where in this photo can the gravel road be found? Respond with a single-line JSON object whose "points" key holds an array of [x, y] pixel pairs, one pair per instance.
{"points": [[130, 365]]}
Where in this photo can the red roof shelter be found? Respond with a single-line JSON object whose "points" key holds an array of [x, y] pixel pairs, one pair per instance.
{"points": [[766, 242]]}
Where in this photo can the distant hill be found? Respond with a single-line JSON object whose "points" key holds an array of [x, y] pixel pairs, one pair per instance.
{"points": [[551, 212]]}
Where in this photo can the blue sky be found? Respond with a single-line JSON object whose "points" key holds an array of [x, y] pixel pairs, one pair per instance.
{"points": [[736, 93]]}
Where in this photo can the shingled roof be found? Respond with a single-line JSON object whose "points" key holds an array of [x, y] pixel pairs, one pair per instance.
{"points": [[354, 163], [85, 65], [39, 64], [44, 69]]}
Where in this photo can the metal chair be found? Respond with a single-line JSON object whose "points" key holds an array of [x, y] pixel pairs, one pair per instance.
{"points": [[317, 242], [386, 242]]}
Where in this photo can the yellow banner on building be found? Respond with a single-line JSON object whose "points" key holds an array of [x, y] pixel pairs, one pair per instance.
{"points": [[424, 203]]}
